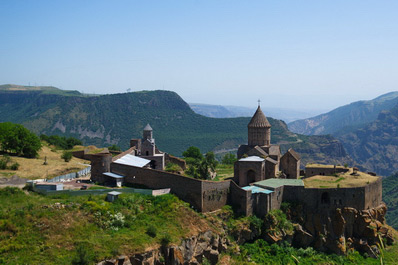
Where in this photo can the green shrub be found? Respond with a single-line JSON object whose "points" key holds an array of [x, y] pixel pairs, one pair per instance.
{"points": [[171, 167], [83, 255], [114, 148], [67, 156], [3, 164], [61, 141], [228, 159], [166, 239], [14, 166], [151, 231]]}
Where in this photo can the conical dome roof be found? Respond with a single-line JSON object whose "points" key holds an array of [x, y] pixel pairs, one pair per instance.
{"points": [[259, 120], [148, 127]]}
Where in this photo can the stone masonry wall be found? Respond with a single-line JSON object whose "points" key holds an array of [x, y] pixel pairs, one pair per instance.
{"points": [[202, 195], [325, 171], [215, 194], [241, 200], [319, 200], [187, 189]]}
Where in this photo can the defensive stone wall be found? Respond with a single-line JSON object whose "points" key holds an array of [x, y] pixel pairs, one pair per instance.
{"points": [[329, 199], [100, 163], [276, 197], [175, 160], [324, 171], [215, 194], [373, 194], [241, 200], [187, 189], [202, 195]]}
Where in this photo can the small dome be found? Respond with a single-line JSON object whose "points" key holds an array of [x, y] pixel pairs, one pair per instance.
{"points": [[148, 128], [259, 120]]}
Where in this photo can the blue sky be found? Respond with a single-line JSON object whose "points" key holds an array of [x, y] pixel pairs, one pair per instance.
{"points": [[289, 54]]}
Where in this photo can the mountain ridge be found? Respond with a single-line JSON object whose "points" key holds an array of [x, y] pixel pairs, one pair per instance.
{"points": [[354, 115], [116, 118]]}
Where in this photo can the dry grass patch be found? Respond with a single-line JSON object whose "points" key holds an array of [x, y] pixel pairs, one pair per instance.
{"points": [[341, 180], [34, 168]]}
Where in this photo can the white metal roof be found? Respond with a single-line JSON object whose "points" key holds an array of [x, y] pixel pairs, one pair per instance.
{"points": [[131, 160], [114, 193], [113, 175], [252, 159]]}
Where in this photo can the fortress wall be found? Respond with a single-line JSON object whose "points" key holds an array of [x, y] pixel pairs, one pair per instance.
{"points": [[100, 163], [315, 200], [241, 200], [215, 194], [319, 200], [293, 193], [325, 171], [261, 204], [187, 189], [175, 160], [276, 198], [373, 194], [79, 154]]}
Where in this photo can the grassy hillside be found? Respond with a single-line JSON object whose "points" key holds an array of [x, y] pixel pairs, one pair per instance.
{"points": [[47, 230], [33, 168], [36, 229]]}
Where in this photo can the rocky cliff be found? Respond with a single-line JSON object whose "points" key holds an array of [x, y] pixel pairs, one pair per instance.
{"points": [[348, 116], [375, 146], [336, 232], [193, 250]]}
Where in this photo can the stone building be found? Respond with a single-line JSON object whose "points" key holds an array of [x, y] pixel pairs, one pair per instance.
{"points": [[290, 164], [259, 159], [146, 148]]}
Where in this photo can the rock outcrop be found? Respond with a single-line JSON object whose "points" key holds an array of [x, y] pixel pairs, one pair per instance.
{"points": [[345, 229], [193, 250]]}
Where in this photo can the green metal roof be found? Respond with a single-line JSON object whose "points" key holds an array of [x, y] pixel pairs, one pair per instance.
{"points": [[275, 183]]}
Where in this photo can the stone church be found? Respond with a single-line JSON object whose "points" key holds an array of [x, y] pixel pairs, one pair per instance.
{"points": [[147, 149], [259, 159]]}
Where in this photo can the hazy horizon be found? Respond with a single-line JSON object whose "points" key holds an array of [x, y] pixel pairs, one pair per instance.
{"points": [[312, 56]]}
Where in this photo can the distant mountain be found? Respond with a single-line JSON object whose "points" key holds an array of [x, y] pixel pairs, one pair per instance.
{"points": [[115, 119], [218, 111], [347, 118], [375, 145]]}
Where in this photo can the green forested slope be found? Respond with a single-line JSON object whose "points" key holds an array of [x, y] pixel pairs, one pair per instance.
{"points": [[115, 119], [390, 197]]}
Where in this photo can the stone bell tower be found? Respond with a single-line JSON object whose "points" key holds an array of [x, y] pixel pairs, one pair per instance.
{"points": [[259, 129]]}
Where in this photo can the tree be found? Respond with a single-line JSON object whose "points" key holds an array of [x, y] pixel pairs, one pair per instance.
{"points": [[15, 138], [61, 141], [228, 159], [198, 166], [192, 152], [207, 166], [67, 156], [114, 148]]}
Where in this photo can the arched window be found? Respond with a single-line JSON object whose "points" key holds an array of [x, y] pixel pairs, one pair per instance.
{"points": [[325, 198], [251, 176]]}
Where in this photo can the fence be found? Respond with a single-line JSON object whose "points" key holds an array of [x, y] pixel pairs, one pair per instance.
{"points": [[101, 191], [70, 176]]}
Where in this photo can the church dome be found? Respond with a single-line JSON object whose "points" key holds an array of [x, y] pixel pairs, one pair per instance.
{"points": [[148, 128], [259, 120]]}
